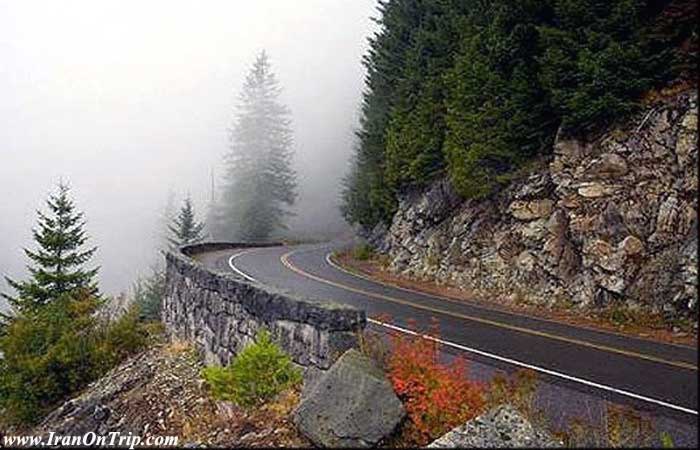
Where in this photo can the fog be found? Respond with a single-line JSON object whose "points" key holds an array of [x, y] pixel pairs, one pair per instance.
{"points": [[127, 100]]}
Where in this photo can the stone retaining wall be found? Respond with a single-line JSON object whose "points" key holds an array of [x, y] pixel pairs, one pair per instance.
{"points": [[221, 313]]}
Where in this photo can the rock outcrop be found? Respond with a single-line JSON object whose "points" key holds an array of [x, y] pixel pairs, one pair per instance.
{"points": [[611, 219], [352, 405], [502, 427]]}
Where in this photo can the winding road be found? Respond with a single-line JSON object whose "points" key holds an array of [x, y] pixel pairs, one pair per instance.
{"points": [[652, 376]]}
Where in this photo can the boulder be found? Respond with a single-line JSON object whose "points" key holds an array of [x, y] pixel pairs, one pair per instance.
{"points": [[608, 165], [502, 427], [534, 209], [352, 405], [594, 190], [377, 237]]}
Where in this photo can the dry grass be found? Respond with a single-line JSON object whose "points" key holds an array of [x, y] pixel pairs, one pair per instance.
{"points": [[620, 427], [668, 92], [641, 323], [375, 346], [177, 346]]}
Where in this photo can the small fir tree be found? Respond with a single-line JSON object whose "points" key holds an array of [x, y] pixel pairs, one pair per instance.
{"points": [[148, 294], [185, 229], [58, 265]]}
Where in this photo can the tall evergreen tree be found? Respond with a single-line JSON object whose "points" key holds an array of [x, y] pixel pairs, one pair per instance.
{"points": [[498, 115], [211, 220], [260, 184], [185, 229], [58, 265], [368, 196], [473, 89]]}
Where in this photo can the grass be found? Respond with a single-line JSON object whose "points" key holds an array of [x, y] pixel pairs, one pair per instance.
{"points": [[362, 252], [619, 427]]}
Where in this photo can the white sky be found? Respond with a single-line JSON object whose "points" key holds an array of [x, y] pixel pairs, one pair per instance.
{"points": [[127, 99]]}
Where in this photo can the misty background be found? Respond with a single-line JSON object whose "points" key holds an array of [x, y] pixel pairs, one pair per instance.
{"points": [[129, 100]]}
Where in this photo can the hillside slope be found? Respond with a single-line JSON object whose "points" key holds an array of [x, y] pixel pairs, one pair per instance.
{"points": [[160, 393], [610, 220]]}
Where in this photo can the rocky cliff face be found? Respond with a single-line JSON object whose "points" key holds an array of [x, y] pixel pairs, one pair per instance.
{"points": [[611, 219]]}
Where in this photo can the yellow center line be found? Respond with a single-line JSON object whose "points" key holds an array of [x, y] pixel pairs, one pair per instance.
{"points": [[337, 265], [285, 261]]}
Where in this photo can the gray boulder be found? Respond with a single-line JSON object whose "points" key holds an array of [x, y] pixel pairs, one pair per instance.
{"points": [[502, 427], [352, 405]]}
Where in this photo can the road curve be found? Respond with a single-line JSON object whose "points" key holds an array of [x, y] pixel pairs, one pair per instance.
{"points": [[661, 378]]}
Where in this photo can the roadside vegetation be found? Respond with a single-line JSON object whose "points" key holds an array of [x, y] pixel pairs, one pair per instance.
{"points": [[439, 394], [258, 374], [362, 252], [54, 342], [364, 261]]}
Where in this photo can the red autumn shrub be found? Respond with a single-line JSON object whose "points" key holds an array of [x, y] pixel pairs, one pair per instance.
{"points": [[437, 396]]}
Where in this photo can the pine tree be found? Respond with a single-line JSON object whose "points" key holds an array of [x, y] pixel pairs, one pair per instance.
{"points": [[212, 214], [58, 267], [368, 196], [148, 294], [474, 89], [498, 115], [185, 229], [260, 184]]}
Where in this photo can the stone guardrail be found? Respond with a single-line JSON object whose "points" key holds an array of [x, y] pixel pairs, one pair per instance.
{"points": [[222, 312]]}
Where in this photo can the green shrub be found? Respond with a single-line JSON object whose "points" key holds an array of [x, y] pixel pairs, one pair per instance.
{"points": [[51, 353], [257, 374], [666, 440], [121, 338], [362, 252]]}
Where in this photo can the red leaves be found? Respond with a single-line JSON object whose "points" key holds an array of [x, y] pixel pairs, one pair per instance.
{"points": [[437, 396]]}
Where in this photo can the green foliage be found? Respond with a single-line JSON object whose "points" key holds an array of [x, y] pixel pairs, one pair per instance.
{"points": [[148, 295], [362, 252], [257, 374], [260, 183], [596, 63], [58, 263], [185, 229], [53, 351], [476, 89], [368, 197], [119, 339], [666, 440], [497, 111]]}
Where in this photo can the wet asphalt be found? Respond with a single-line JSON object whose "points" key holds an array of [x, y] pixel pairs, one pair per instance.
{"points": [[579, 359]]}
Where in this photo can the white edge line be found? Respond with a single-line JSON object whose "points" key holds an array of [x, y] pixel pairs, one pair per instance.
{"points": [[526, 365], [239, 271], [536, 368]]}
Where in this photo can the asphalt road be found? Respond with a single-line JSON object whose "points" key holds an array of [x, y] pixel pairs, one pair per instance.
{"points": [[654, 377]]}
